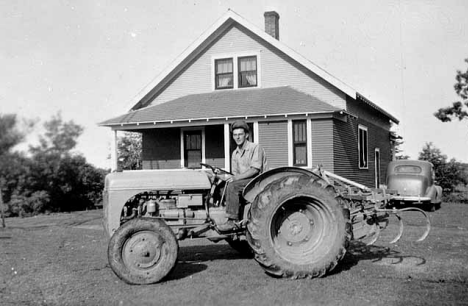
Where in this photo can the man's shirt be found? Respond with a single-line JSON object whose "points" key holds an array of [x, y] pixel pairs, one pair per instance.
{"points": [[251, 155]]}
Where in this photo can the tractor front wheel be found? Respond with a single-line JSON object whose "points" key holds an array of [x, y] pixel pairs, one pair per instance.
{"points": [[143, 251]]}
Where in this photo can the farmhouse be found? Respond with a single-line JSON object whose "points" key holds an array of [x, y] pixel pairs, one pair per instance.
{"points": [[299, 113]]}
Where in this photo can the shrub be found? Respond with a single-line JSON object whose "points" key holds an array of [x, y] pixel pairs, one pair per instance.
{"points": [[24, 206]]}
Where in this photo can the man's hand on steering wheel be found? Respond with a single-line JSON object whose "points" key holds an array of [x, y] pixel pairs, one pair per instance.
{"points": [[226, 175]]}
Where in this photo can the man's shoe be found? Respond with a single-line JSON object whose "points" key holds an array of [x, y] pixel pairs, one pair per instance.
{"points": [[229, 226]]}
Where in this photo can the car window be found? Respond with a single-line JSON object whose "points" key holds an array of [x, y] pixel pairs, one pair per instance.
{"points": [[408, 169]]}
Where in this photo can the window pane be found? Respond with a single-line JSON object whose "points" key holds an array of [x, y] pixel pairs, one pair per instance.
{"points": [[247, 71], [408, 169], [224, 66], [300, 134], [224, 73], [248, 63], [193, 159], [224, 81], [300, 154], [300, 143], [362, 142], [193, 141], [192, 149], [247, 79]]}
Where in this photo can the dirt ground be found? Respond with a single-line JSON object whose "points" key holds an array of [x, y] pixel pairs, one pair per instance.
{"points": [[61, 259]]}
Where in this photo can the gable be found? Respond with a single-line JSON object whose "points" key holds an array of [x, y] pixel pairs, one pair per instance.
{"points": [[275, 69], [192, 72]]}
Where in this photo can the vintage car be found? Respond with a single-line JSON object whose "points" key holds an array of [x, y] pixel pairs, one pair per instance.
{"points": [[413, 182]]}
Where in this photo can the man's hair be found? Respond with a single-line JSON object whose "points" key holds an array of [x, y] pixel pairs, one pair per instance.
{"points": [[240, 124]]}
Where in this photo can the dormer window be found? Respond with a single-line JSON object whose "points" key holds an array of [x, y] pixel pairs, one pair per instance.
{"points": [[236, 70], [247, 71], [224, 73]]}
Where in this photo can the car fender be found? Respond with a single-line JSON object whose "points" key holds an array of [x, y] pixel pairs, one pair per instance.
{"points": [[435, 193], [438, 198]]}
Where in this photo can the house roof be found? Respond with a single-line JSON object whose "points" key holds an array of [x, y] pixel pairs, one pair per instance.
{"points": [[227, 104], [230, 17]]}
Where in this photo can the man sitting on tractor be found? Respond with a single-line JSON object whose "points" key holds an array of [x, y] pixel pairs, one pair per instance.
{"points": [[248, 161]]}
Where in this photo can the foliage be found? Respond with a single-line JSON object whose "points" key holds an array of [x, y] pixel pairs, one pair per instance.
{"points": [[10, 136], [129, 151], [14, 174], [52, 178], [449, 173], [21, 205], [458, 109], [60, 137], [397, 141]]}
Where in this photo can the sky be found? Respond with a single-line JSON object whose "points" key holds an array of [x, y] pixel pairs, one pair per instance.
{"points": [[88, 59]]}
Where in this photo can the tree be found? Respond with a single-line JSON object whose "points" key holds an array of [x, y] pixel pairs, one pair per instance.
{"points": [[397, 142], [129, 151], [69, 182], [458, 109], [449, 174], [60, 137], [10, 135], [52, 178]]}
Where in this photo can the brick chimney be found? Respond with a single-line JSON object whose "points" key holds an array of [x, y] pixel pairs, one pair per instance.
{"points": [[272, 23]]}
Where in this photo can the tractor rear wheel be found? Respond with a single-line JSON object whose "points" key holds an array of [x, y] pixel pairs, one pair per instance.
{"points": [[143, 251], [298, 227]]}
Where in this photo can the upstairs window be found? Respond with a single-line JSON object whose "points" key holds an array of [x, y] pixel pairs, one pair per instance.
{"points": [[247, 71], [300, 143], [224, 73], [362, 147]]}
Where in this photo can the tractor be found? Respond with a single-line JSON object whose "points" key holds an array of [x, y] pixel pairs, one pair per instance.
{"points": [[297, 223]]}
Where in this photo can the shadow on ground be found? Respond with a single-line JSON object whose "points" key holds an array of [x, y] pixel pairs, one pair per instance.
{"points": [[358, 251], [191, 259]]}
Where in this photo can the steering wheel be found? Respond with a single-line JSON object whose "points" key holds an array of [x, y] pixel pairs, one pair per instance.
{"points": [[216, 169]]}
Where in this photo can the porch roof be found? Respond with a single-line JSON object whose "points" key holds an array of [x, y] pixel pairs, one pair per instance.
{"points": [[227, 104]]}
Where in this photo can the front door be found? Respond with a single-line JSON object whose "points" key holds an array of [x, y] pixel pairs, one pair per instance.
{"points": [[193, 149]]}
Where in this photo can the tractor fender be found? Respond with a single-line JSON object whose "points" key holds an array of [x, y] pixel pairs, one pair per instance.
{"points": [[255, 186]]}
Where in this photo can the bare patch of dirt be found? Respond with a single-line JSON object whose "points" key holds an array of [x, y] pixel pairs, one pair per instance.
{"points": [[61, 259]]}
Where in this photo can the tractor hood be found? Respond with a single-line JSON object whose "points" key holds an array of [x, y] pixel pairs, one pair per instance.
{"points": [[177, 179]]}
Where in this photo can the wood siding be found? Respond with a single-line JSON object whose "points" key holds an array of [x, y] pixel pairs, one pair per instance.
{"points": [[345, 143], [273, 137], [367, 113], [322, 144], [161, 149], [276, 70], [214, 145], [346, 151]]}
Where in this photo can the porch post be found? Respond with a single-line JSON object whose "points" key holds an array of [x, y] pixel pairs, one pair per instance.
{"points": [[227, 139], [113, 151]]}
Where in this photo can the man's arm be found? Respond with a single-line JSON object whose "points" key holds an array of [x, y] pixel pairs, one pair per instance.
{"points": [[247, 174]]}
